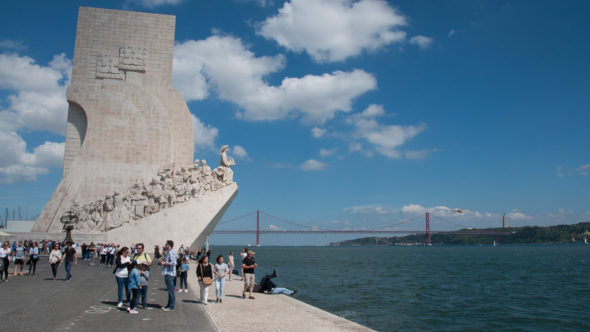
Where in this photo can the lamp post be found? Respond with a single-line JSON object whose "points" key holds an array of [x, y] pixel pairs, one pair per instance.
{"points": [[69, 219]]}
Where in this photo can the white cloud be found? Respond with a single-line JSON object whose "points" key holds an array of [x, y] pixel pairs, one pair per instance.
{"points": [[452, 32], [327, 152], [369, 210], [317, 132], [10, 44], [386, 138], [584, 170], [205, 134], [239, 152], [517, 215], [421, 41], [17, 164], [38, 100], [333, 30], [272, 227], [313, 165], [356, 146], [447, 212], [223, 64], [418, 154], [155, 3]]}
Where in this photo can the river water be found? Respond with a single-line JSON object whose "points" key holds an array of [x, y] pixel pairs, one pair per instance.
{"points": [[458, 288]]}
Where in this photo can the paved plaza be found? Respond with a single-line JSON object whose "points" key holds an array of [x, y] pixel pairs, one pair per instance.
{"points": [[88, 303]]}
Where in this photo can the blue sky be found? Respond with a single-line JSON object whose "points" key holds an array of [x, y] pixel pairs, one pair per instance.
{"points": [[342, 113]]}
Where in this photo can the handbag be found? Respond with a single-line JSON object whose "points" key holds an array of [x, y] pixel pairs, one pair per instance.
{"points": [[207, 281]]}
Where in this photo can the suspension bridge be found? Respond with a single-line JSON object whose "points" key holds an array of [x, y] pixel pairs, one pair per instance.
{"points": [[233, 226]]}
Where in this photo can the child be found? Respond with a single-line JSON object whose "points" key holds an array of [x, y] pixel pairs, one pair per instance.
{"points": [[183, 274], [134, 283]]}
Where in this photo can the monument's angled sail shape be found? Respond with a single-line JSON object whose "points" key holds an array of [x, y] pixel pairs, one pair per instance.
{"points": [[128, 169]]}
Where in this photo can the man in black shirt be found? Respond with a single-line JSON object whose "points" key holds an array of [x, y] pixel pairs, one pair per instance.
{"points": [[69, 257], [249, 264]]}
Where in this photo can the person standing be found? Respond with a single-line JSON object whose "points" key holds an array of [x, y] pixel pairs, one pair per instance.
{"points": [[169, 273], [5, 253], [91, 252], [145, 262], [103, 254], [205, 276], [70, 258], [33, 258], [230, 263], [19, 254], [243, 255], [111, 255], [134, 282], [184, 274], [122, 275], [248, 265], [55, 257], [220, 270]]}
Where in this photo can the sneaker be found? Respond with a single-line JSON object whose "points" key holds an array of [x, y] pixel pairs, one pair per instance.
{"points": [[120, 305], [294, 291], [204, 303], [68, 280], [186, 290], [128, 309], [220, 300], [133, 312], [21, 273], [167, 309]]}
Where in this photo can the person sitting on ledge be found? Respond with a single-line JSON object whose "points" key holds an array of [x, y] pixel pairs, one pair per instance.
{"points": [[266, 285]]}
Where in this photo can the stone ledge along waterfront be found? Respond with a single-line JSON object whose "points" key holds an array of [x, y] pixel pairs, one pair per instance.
{"points": [[88, 303]]}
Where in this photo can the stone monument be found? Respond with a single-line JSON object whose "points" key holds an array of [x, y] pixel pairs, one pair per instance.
{"points": [[128, 173]]}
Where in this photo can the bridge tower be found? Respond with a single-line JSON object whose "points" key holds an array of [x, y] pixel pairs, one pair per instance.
{"points": [[258, 228], [428, 242]]}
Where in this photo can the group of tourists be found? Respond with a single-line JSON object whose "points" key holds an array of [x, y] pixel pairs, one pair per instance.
{"points": [[132, 273], [28, 253], [132, 267]]}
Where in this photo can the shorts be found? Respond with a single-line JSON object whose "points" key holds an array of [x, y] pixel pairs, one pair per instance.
{"points": [[248, 279], [19, 261]]}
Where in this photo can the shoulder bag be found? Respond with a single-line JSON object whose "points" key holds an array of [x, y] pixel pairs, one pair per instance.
{"points": [[207, 281]]}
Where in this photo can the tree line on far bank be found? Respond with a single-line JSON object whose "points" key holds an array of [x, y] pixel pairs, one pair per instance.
{"points": [[518, 235]]}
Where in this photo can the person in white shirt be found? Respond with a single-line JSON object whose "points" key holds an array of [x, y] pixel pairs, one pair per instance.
{"points": [[122, 275], [5, 260]]}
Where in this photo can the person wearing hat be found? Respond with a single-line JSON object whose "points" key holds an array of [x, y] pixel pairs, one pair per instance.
{"points": [[144, 261], [249, 264]]}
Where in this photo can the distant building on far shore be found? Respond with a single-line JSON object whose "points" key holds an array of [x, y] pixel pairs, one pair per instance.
{"points": [[505, 221]]}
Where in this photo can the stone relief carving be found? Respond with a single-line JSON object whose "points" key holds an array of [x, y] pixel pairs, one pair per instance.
{"points": [[171, 186], [107, 66], [130, 58], [133, 58]]}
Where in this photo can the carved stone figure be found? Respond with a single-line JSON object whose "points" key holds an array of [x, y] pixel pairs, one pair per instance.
{"points": [[138, 200], [224, 173], [207, 178]]}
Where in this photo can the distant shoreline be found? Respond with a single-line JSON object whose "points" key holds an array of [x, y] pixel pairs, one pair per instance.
{"points": [[515, 235]]}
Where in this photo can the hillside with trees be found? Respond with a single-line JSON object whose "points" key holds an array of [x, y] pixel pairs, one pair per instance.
{"points": [[516, 235]]}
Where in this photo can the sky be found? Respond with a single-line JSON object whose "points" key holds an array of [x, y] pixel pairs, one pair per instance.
{"points": [[341, 114]]}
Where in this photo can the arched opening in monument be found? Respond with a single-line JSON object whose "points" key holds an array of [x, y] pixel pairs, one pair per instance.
{"points": [[75, 134]]}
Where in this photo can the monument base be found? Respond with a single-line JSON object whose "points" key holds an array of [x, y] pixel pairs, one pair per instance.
{"points": [[187, 223]]}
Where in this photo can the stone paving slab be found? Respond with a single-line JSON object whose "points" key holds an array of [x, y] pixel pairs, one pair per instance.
{"points": [[88, 303], [268, 312]]}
